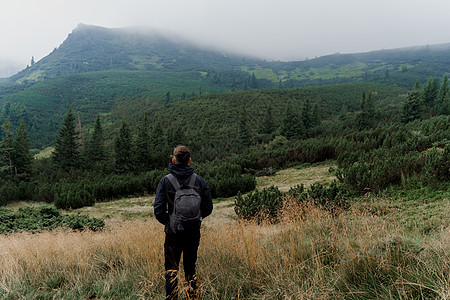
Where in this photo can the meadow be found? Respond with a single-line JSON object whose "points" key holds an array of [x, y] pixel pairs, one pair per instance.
{"points": [[366, 252]]}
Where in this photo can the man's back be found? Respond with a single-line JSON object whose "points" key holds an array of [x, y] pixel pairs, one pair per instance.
{"points": [[183, 239]]}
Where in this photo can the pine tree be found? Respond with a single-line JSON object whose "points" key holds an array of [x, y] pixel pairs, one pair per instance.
{"points": [[22, 157], [244, 135], [268, 124], [370, 106], [430, 92], [158, 145], [175, 136], [443, 91], [315, 115], [306, 114], [366, 118], [95, 149], [445, 109], [143, 145], [412, 107], [291, 127], [123, 149], [362, 104], [6, 152], [67, 152]]}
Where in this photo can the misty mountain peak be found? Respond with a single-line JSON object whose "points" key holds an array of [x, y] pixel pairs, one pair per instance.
{"points": [[94, 48]]}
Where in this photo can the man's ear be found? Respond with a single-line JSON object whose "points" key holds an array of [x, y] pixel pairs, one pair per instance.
{"points": [[174, 160]]}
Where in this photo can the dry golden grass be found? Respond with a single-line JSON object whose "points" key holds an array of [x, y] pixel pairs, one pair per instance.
{"points": [[311, 255], [288, 178], [50, 261]]}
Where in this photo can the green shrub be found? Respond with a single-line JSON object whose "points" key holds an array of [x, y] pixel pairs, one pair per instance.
{"points": [[259, 205], [9, 192], [267, 204], [328, 197], [44, 217]]}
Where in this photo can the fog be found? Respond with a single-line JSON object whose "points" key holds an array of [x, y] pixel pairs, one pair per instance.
{"points": [[269, 29]]}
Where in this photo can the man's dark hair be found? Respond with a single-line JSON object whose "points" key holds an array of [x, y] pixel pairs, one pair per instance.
{"points": [[182, 154]]}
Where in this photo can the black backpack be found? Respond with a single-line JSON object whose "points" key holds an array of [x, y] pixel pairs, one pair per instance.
{"points": [[186, 204]]}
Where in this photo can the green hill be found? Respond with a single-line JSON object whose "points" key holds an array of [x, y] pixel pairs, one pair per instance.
{"points": [[100, 70], [43, 104], [92, 48]]}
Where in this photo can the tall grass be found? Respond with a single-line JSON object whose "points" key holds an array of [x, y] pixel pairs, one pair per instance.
{"points": [[309, 255]]}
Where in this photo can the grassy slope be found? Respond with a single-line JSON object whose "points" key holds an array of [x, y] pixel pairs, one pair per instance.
{"points": [[367, 252]]}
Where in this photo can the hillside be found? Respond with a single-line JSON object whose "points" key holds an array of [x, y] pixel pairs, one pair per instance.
{"points": [[398, 66], [100, 70], [92, 48], [126, 95]]}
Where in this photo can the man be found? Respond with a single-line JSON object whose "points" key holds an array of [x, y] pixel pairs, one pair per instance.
{"points": [[181, 236]]}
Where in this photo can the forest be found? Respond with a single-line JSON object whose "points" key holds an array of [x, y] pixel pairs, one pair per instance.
{"points": [[379, 134]]}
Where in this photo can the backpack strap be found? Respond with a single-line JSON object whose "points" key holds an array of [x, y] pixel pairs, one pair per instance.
{"points": [[192, 180], [177, 185], [174, 182]]}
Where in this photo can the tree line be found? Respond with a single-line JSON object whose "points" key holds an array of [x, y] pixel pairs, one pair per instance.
{"points": [[233, 146]]}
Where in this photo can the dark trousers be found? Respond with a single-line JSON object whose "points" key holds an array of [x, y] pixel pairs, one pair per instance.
{"points": [[185, 242]]}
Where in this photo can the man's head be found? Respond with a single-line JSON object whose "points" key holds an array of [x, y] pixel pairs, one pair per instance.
{"points": [[182, 155]]}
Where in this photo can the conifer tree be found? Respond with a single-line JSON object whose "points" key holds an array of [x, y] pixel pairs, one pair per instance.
{"points": [[143, 145], [315, 115], [412, 107], [6, 152], [244, 135], [95, 149], [306, 114], [430, 92], [445, 109], [22, 157], [443, 91], [291, 127], [175, 136], [370, 106], [366, 118], [158, 145], [268, 124], [123, 149], [67, 153]]}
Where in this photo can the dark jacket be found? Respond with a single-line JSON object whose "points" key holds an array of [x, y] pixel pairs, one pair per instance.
{"points": [[163, 206]]}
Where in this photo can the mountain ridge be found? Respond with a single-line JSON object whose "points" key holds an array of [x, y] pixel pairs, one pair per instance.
{"points": [[93, 48]]}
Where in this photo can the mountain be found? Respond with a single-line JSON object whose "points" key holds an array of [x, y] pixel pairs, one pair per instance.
{"points": [[100, 70], [401, 66], [92, 48]]}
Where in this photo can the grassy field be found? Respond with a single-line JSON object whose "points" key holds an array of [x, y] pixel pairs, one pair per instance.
{"points": [[379, 249]]}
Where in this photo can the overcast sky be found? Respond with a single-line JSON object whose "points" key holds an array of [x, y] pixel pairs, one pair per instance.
{"points": [[271, 29]]}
